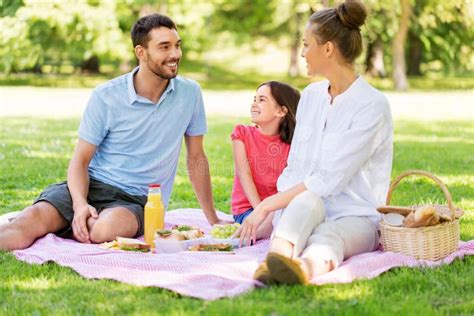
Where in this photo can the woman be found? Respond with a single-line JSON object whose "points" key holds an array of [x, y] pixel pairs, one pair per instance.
{"points": [[339, 164]]}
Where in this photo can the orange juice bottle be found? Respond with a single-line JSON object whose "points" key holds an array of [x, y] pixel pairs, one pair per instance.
{"points": [[154, 213]]}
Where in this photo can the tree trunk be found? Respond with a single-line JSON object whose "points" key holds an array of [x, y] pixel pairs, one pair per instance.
{"points": [[91, 65], [293, 70], [398, 48], [415, 54], [37, 68], [374, 61]]}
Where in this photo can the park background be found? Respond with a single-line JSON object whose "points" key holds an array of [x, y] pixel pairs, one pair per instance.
{"points": [[52, 53]]}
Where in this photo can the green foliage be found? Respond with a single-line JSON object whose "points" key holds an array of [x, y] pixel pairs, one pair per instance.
{"points": [[381, 24], [37, 33], [35, 153], [9, 7], [55, 32], [246, 19], [446, 29], [193, 26], [17, 51]]}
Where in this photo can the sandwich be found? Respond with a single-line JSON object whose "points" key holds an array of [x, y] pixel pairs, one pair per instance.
{"points": [[127, 244], [212, 247]]}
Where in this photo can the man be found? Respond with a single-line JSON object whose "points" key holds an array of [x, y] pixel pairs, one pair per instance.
{"points": [[130, 136]]}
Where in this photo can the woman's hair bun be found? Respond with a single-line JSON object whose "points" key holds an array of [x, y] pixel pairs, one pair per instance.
{"points": [[352, 14]]}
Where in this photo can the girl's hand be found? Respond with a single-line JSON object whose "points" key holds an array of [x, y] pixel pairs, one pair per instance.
{"points": [[248, 229]]}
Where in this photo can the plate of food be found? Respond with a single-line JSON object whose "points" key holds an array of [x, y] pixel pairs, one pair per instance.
{"points": [[178, 238]]}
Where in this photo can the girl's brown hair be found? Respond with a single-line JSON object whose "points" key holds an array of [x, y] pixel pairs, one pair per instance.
{"points": [[288, 97], [341, 25]]}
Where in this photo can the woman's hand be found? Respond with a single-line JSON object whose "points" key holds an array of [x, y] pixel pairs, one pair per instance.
{"points": [[248, 229]]}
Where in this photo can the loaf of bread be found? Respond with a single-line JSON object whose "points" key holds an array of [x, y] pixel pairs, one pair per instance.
{"points": [[422, 216]]}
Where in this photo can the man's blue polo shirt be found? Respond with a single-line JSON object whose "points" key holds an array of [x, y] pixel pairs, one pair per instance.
{"points": [[138, 142]]}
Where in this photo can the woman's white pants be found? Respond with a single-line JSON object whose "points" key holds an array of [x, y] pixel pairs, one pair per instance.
{"points": [[303, 224]]}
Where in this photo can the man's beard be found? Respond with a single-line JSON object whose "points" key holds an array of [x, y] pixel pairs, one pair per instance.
{"points": [[159, 71]]}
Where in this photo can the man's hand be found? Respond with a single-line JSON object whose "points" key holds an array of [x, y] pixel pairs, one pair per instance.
{"points": [[79, 223], [78, 184]]}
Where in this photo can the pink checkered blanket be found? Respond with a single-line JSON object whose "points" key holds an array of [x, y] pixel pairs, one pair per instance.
{"points": [[207, 276]]}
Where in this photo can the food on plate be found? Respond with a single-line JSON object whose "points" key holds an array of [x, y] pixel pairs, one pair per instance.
{"points": [[212, 247], [179, 232], [127, 244], [184, 228], [163, 233], [224, 231], [169, 234]]}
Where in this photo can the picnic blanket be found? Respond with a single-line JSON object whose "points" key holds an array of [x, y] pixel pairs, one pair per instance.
{"points": [[202, 275]]}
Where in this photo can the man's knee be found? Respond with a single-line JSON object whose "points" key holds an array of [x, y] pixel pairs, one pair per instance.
{"points": [[33, 222], [37, 217], [101, 232], [113, 223]]}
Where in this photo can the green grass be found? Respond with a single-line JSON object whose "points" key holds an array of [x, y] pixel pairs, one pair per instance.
{"points": [[35, 153], [218, 77]]}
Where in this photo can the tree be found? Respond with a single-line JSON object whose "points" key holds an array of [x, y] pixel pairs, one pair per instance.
{"points": [[398, 47], [414, 50], [17, 52], [9, 7], [263, 20], [438, 37], [442, 33], [377, 34], [56, 33], [298, 12]]}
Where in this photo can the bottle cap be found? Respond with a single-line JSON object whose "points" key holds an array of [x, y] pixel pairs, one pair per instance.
{"points": [[154, 185]]}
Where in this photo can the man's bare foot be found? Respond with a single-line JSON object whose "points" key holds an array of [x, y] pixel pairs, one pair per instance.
{"points": [[281, 246]]}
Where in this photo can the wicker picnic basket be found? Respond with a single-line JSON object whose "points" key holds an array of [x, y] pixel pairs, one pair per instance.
{"points": [[431, 242]]}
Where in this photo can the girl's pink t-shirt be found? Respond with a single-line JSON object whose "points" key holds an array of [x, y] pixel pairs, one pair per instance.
{"points": [[267, 156]]}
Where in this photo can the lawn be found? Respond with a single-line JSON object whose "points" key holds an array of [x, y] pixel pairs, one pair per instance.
{"points": [[35, 153]]}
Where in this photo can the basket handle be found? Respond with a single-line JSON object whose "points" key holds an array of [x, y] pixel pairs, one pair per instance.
{"points": [[440, 183]]}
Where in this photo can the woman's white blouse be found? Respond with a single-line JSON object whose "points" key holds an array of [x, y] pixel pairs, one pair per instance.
{"points": [[342, 151]]}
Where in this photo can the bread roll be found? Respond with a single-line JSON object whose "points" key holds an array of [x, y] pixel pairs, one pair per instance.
{"points": [[424, 212]]}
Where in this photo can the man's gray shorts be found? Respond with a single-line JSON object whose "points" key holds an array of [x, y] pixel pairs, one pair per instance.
{"points": [[101, 196]]}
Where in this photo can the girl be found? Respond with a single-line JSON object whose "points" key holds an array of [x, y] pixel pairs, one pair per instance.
{"points": [[261, 151], [340, 160]]}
